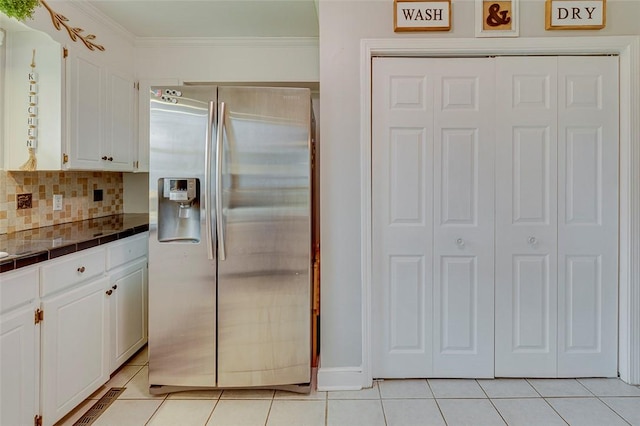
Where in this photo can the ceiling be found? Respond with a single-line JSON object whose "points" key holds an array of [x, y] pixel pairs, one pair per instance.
{"points": [[212, 18]]}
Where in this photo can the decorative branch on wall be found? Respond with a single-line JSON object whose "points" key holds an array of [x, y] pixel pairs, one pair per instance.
{"points": [[75, 33]]}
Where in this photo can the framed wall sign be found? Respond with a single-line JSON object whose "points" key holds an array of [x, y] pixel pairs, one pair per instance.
{"points": [[421, 15], [497, 18], [575, 14]]}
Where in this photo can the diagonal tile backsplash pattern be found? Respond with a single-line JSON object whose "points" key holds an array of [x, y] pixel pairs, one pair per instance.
{"points": [[77, 192]]}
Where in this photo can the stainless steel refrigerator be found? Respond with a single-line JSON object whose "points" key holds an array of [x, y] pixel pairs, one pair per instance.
{"points": [[230, 238]]}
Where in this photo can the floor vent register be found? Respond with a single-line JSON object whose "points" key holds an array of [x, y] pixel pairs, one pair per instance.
{"points": [[99, 407]]}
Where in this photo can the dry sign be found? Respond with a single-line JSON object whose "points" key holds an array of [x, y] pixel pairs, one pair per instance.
{"points": [[430, 15], [575, 14]]}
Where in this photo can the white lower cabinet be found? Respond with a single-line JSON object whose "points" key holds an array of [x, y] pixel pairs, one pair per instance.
{"points": [[127, 311], [19, 347], [66, 324], [75, 347]]}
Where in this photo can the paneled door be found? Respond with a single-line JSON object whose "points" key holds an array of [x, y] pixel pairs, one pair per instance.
{"points": [[526, 216], [495, 217], [556, 216], [588, 216], [432, 207]]}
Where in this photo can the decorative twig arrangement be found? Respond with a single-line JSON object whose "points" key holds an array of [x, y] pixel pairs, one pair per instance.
{"points": [[75, 33]]}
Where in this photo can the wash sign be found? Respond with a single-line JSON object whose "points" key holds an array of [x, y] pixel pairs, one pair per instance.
{"points": [[431, 15], [575, 14]]}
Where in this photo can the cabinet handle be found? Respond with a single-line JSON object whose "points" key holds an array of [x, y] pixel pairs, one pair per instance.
{"points": [[81, 269], [115, 286], [109, 292], [104, 157], [110, 158]]}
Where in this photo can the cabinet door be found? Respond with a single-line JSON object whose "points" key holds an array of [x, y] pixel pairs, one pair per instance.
{"points": [[128, 311], [74, 347], [119, 142], [85, 103], [18, 366]]}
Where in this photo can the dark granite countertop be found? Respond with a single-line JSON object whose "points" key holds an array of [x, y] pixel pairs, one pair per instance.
{"points": [[37, 245]]}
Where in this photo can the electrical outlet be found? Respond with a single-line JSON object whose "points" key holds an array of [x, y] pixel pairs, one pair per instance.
{"points": [[23, 201], [57, 202]]}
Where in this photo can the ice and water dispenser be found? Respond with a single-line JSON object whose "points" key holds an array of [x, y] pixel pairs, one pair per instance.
{"points": [[179, 210]]}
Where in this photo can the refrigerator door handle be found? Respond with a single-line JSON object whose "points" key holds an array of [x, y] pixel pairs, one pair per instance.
{"points": [[219, 148], [207, 180]]}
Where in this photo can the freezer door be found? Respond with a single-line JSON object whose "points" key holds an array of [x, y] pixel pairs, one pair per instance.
{"points": [[182, 280], [264, 287]]}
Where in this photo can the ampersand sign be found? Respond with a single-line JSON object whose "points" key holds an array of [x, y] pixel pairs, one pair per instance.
{"points": [[497, 15]]}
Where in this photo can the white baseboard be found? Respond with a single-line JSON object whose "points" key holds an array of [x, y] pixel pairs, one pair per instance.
{"points": [[341, 378]]}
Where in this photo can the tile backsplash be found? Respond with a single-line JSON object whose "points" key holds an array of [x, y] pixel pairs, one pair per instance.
{"points": [[77, 197]]}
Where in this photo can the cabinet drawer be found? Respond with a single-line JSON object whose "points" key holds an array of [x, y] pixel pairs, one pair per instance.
{"points": [[70, 270], [18, 288], [126, 250]]}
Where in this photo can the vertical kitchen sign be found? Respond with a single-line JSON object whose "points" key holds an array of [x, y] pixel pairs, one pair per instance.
{"points": [[414, 15], [575, 14], [32, 117]]}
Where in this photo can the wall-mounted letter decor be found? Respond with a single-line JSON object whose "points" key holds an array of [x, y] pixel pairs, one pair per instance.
{"points": [[575, 14], [497, 18], [421, 15]]}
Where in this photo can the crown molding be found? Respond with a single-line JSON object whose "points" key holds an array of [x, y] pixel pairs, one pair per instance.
{"points": [[151, 42], [85, 7]]}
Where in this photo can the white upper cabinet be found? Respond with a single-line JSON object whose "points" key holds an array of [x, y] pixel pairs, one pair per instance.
{"points": [[85, 107], [85, 100], [120, 132], [101, 115], [49, 98]]}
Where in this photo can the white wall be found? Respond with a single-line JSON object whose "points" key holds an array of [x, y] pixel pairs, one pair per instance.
{"points": [[136, 189], [228, 59], [343, 23]]}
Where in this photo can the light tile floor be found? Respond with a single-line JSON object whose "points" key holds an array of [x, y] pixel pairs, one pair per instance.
{"points": [[584, 402]]}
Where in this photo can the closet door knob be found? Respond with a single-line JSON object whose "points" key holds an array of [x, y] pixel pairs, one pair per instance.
{"points": [[459, 242], [532, 240]]}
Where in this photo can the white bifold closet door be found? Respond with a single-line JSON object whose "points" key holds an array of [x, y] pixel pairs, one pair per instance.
{"points": [[433, 201], [495, 196], [556, 216]]}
